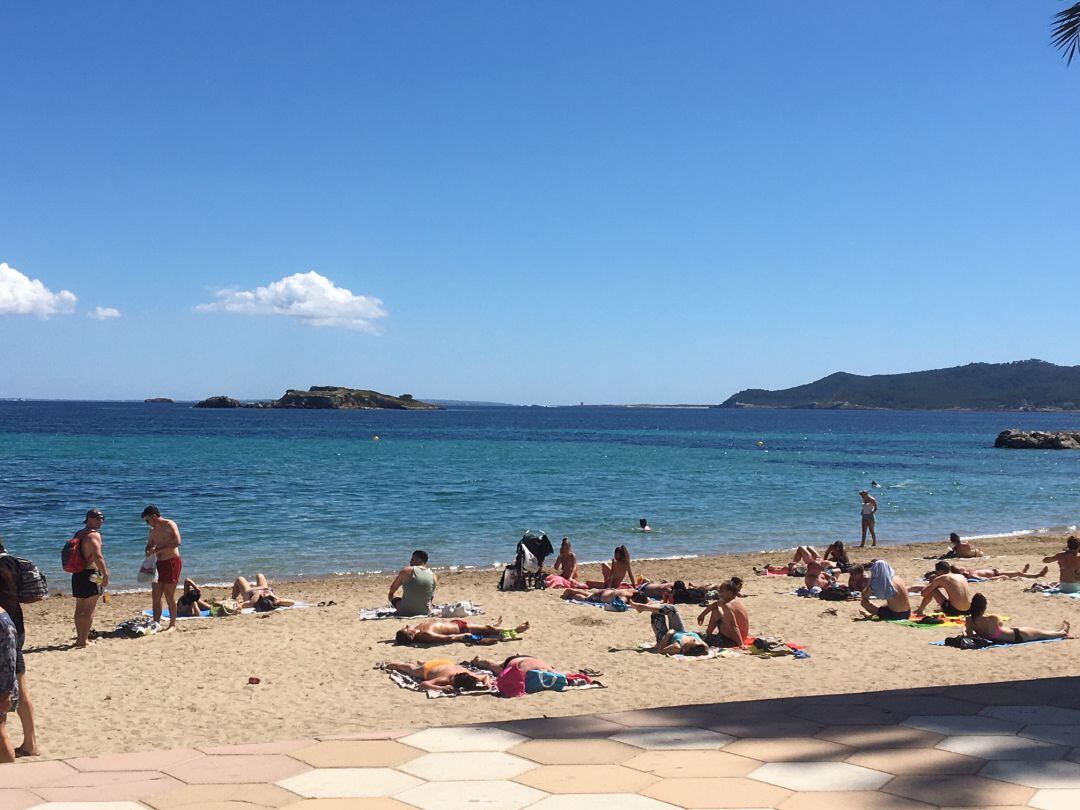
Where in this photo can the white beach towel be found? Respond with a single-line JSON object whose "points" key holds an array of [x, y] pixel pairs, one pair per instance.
{"points": [[388, 612]]}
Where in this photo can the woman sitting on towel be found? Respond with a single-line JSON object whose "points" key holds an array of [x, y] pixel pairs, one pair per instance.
{"points": [[990, 627], [191, 604], [671, 637], [442, 675]]}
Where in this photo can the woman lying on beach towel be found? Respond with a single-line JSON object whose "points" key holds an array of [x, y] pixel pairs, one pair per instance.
{"points": [[442, 675], [990, 627], [447, 631], [520, 674], [671, 636], [190, 603], [601, 596], [259, 596]]}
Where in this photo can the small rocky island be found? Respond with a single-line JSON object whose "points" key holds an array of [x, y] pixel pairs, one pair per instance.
{"points": [[159, 401], [1038, 440], [328, 397]]}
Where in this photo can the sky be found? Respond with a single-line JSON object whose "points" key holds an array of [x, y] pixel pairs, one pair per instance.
{"points": [[544, 203]]}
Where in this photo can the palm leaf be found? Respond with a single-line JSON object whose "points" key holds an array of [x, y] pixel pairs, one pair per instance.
{"points": [[1065, 34]]}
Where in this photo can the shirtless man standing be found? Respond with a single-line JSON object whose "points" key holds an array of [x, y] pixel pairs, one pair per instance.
{"points": [[950, 590], [1069, 564], [87, 585], [164, 541]]}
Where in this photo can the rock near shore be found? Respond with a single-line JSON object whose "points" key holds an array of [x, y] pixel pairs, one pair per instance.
{"points": [[1038, 440], [328, 397], [218, 402]]}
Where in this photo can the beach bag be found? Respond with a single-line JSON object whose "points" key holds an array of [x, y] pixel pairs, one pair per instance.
{"points": [[529, 562], [226, 607], [71, 558], [511, 682], [29, 581], [616, 605], [835, 593], [968, 642], [457, 610], [510, 580], [148, 569], [540, 680]]}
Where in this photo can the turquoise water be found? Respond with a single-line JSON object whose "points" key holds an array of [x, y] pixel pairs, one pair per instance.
{"points": [[307, 493]]}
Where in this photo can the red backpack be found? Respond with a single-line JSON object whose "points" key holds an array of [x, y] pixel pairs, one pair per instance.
{"points": [[71, 557]]}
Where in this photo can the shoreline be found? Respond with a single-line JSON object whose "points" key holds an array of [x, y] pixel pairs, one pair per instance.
{"points": [[317, 675]]}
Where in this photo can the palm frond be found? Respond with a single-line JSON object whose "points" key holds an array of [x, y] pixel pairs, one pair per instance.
{"points": [[1065, 34]]}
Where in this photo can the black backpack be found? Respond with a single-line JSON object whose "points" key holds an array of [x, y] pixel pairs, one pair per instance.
{"points": [[29, 581], [968, 642], [835, 593]]}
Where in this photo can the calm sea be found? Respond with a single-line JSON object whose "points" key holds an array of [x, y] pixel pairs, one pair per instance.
{"points": [[314, 492]]}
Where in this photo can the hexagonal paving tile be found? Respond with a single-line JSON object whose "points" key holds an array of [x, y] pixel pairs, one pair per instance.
{"points": [[1041, 715], [575, 752], [847, 716], [586, 779], [601, 801], [1062, 735], [963, 724], [1056, 800], [195, 797], [36, 774], [245, 768], [1035, 774], [463, 738], [789, 749], [892, 736], [18, 799], [925, 704], [115, 786], [820, 776], [344, 783], [136, 761], [280, 747], [1002, 746], [781, 726], [912, 761], [494, 795], [546, 728], [851, 800], [732, 792], [958, 791], [688, 764], [664, 716], [89, 806], [673, 738], [477, 765], [381, 803], [356, 754]]}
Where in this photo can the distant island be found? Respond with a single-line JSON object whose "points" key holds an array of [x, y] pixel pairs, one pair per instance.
{"points": [[327, 397], [159, 401], [1025, 385]]}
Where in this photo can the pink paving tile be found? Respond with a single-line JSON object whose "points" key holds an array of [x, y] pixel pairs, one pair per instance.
{"points": [[96, 778], [238, 768], [391, 734], [138, 761], [115, 792], [654, 718], [283, 747], [18, 799], [34, 774]]}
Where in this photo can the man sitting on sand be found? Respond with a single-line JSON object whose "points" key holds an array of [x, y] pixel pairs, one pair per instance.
{"points": [[447, 631], [729, 623], [442, 675], [259, 596], [885, 584], [949, 590], [417, 583], [602, 596], [1069, 565], [990, 627], [960, 548], [671, 636], [190, 603]]}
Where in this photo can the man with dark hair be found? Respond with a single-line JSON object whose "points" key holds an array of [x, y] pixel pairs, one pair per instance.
{"points": [[442, 675], [164, 543], [89, 583], [417, 583], [950, 590], [1069, 565]]}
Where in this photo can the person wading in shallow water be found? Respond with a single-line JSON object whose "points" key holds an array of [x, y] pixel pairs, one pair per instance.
{"points": [[869, 510]]}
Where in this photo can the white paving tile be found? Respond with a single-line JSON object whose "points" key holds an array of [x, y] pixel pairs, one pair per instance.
{"points": [[348, 783], [949, 724], [463, 738], [1055, 800], [1035, 774], [493, 795], [601, 801], [1062, 735], [474, 765], [1002, 746], [820, 776], [673, 738], [1042, 715]]}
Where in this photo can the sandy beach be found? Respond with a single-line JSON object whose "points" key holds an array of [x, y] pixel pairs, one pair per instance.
{"points": [[190, 686]]}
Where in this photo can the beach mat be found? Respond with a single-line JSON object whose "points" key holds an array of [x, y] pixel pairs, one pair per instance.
{"points": [[206, 614], [409, 682], [646, 647], [387, 612], [999, 646]]}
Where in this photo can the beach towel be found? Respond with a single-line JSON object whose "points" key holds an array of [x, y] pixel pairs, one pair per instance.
{"points": [[389, 612], [206, 614], [1054, 592], [651, 648], [881, 577], [556, 581], [996, 646], [949, 622], [409, 682], [584, 602]]}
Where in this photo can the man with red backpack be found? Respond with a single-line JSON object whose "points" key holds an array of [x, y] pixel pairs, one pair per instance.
{"points": [[89, 575]]}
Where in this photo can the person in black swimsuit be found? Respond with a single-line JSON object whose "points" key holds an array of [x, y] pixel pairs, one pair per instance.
{"points": [[191, 604]]}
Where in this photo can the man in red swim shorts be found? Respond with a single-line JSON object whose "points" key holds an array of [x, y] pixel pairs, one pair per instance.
{"points": [[164, 541]]}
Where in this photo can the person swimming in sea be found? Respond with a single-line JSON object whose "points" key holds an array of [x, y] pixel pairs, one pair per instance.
{"points": [[643, 525]]}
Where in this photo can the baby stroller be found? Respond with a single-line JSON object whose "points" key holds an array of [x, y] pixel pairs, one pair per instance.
{"points": [[527, 570]]}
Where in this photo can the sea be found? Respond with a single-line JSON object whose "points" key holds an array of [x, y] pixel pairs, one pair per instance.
{"points": [[321, 493]]}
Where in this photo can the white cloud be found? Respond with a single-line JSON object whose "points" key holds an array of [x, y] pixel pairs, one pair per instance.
{"points": [[22, 295], [103, 313], [311, 298]]}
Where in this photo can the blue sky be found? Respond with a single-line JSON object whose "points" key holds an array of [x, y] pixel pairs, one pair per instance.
{"points": [[549, 203]]}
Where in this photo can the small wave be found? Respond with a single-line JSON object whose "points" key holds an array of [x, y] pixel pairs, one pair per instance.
{"points": [[1042, 530]]}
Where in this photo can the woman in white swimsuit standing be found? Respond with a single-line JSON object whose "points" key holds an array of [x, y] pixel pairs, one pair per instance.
{"points": [[869, 507]]}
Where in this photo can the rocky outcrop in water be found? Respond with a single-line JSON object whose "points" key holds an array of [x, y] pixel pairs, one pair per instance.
{"points": [[158, 401], [328, 397], [219, 402], [1038, 440]]}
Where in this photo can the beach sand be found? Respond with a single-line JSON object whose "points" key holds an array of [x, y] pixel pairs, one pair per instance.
{"points": [[190, 686]]}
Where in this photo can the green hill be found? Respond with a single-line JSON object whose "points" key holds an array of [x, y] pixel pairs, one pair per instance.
{"points": [[1022, 385]]}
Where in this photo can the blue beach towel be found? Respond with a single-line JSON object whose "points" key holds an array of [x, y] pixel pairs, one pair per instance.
{"points": [[166, 615], [1059, 592], [998, 646]]}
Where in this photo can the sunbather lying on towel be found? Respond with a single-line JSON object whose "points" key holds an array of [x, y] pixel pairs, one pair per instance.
{"points": [[885, 584], [442, 675], [671, 636], [997, 573], [728, 621], [989, 627], [259, 596], [447, 631], [191, 604], [599, 595]]}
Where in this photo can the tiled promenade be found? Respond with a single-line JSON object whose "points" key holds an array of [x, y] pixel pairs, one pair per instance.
{"points": [[988, 746]]}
